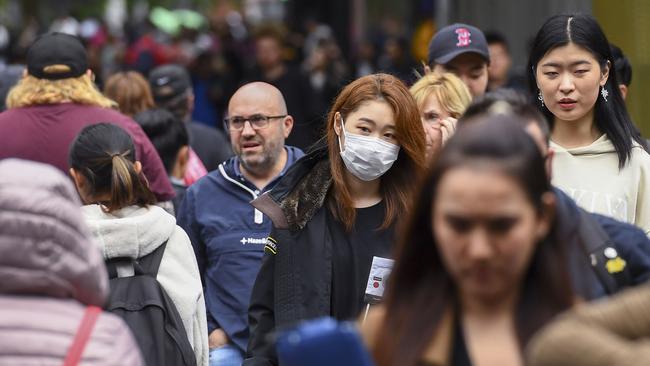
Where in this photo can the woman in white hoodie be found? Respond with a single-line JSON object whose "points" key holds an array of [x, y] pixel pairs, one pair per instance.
{"points": [[120, 213], [600, 159]]}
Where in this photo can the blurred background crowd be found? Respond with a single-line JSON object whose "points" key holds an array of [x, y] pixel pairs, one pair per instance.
{"points": [[178, 67], [308, 49]]}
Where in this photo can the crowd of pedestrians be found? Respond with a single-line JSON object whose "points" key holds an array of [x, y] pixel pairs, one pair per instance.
{"points": [[460, 219]]}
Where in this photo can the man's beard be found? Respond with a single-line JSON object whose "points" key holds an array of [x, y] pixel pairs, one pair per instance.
{"points": [[260, 164], [257, 164]]}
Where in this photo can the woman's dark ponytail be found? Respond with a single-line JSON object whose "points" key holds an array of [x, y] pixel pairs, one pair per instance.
{"points": [[105, 155]]}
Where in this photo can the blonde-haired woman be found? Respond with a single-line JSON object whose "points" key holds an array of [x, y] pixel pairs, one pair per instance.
{"points": [[441, 99]]}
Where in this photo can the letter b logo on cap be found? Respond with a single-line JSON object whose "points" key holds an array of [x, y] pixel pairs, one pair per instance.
{"points": [[463, 37]]}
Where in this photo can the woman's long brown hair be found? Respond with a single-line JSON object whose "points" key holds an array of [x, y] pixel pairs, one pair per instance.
{"points": [[420, 288], [397, 184]]}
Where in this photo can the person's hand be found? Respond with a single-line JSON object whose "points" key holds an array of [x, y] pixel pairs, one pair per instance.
{"points": [[447, 128], [437, 134], [217, 338]]}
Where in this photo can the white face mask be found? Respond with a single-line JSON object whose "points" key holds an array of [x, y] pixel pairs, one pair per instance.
{"points": [[368, 158]]}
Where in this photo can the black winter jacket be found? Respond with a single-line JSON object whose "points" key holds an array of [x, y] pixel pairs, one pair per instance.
{"points": [[294, 282]]}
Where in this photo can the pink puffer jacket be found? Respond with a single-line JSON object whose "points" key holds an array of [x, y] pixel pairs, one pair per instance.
{"points": [[50, 270]]}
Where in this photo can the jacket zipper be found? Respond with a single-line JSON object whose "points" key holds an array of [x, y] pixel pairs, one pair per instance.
{"points": [[259, 217]]}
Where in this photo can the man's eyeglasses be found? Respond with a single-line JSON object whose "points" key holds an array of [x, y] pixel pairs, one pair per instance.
{"points": [[257, 121]]}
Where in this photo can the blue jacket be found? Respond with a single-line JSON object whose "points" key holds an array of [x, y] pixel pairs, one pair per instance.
{"points": [[632, 245], [228, 235]]}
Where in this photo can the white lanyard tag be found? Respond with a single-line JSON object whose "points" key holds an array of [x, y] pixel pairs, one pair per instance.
{"points": [[259, 217], [379, 273]]}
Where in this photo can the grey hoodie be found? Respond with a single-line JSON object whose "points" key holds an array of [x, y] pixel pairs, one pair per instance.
{"points": [[51, 271]]}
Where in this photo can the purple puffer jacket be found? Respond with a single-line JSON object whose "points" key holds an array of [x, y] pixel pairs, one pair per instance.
{"points": [[49, 271]]}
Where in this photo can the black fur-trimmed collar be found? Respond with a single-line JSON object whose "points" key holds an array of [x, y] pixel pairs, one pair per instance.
{"points": [[294, 201], [301, 204]]}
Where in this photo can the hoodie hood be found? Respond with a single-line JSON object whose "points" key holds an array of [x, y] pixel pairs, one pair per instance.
{"points": [[603, 145], [131, 232], [45, 247]]}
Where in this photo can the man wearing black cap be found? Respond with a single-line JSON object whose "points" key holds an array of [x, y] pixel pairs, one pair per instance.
{"points": [[462, 50], [172, 89], [55, 99]]}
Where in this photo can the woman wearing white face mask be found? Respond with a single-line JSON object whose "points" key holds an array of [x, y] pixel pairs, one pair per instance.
{"points": [[335, 210]]}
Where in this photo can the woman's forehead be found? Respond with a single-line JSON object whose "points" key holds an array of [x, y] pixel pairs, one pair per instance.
{"points": [[570, 54]]}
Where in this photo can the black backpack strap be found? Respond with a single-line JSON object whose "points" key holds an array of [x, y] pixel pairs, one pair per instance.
{"points": [[150, 263], [603, 254]]}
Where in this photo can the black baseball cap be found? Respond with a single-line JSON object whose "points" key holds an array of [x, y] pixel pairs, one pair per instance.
{"points": [[456, 39], [168, 82], [56, 49]]}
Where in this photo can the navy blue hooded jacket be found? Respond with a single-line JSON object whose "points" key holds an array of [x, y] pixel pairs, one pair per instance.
{"points": [[228, 235], [632, 245]]}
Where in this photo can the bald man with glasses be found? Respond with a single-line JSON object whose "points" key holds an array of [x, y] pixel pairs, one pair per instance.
{"points": [[227, 233]]}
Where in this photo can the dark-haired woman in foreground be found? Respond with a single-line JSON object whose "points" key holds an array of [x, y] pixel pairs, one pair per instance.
{"points": [[120, 213], [600, 158], [477, 270]]}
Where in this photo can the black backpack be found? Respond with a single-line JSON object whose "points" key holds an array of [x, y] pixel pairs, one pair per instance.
{"points": [[149, 312]]}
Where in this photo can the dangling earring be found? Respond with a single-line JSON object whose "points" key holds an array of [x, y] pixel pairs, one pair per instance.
{"points": [[604, 93], [540, 97]]}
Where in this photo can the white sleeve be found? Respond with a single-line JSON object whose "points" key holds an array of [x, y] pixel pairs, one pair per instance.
{"points": [[201, 333], [642, 210], [179, 276]]}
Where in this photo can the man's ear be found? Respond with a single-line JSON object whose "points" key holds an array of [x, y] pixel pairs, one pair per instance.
{"points": [[183, 155], [90, 74], [288, 125], [426, 69], [182, 159]]}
